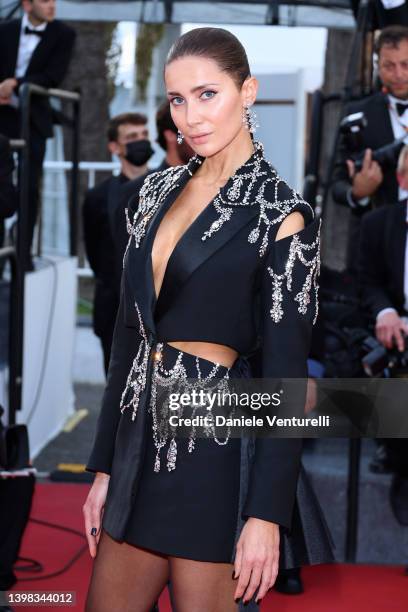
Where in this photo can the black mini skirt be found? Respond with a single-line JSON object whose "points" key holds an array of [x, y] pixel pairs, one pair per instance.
{"points": [[190, 511]]}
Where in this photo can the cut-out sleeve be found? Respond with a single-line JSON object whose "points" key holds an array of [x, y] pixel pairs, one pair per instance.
{"points": [[289, 306]]}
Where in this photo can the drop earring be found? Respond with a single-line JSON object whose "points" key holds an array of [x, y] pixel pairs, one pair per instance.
{"points": [[180, 137], [249, 119]]}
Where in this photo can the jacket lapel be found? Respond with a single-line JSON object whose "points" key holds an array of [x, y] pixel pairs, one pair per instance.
{"points": [[191, 251], [139, 259], [45, 41], [383, 132]]}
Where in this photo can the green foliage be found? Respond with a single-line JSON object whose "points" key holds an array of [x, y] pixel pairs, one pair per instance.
{"points": [[149, 35]]}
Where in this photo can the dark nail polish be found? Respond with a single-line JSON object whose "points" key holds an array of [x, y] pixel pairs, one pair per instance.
{"points": [[237, 599], [93, 531]]}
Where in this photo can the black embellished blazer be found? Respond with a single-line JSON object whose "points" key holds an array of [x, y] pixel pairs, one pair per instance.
{"points": [[229, 282]]}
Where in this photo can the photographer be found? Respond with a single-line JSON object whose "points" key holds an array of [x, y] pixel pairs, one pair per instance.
{"points": [[382, 256], [386, 113], [386, 116], [383, 276]]}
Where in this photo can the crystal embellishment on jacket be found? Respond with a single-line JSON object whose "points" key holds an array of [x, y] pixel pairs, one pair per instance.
{"points": [[136, 380], [166, 381], [255, 183], [299, 254]]}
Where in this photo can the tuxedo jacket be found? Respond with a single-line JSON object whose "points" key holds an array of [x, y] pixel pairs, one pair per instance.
{"points": [[377, 134], [47, 67], [227, 281], [382, 259], [99, 226]]}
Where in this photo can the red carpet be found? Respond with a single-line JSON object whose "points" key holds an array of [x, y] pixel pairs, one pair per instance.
{"points": [[328, 588]]}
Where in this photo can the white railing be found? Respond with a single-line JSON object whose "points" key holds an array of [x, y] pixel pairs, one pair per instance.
{"points": [[85, 166], [55, 235]]}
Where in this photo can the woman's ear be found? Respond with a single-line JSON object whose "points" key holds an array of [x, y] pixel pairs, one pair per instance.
{"points": [[249, 90]]}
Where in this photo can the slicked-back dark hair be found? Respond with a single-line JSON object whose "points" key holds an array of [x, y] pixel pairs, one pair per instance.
{"points": [[391, 36], [216, 44]]}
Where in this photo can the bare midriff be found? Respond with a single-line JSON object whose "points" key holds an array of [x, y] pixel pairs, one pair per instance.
{"points": [[217, 353]]}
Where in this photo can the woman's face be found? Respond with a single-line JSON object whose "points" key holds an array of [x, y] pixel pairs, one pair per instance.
{"points": [[206, 104]]}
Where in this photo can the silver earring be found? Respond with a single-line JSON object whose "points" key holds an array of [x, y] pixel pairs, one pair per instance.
{"points": [[180, 137], [249, 119]]}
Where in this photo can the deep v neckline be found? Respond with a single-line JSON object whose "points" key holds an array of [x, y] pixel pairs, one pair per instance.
{"points": [[157, 222], [190, 170]]}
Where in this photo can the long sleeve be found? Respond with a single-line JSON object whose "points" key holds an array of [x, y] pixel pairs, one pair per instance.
{"points": [[371, 266], [288, 311], [124, 347]]}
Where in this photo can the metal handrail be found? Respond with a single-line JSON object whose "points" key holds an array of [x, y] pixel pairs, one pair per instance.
{"points": [[27, 90], [18, 257]]}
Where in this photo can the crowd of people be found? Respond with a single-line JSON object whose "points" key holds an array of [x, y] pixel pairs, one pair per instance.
{"points": [[377, 195], [37, 49]]}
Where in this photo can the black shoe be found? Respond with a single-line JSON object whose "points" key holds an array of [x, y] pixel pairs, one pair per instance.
{"points": [[289, 582], [399, 499], [380, 463]]}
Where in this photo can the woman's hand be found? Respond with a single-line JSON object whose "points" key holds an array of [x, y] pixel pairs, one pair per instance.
{"points": [[257, 558], [93, 509]]}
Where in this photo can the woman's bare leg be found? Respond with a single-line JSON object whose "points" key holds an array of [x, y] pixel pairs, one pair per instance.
{"points": [[198, 586], [125, 577]]}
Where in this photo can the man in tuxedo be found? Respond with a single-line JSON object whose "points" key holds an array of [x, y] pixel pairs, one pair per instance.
{"points": [[35, 49], [387, 119], [176, 154], [128, 139], [383, 274]]}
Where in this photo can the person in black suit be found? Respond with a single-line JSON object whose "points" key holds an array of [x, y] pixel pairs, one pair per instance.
{"points": [[35, 49], [8, 194], [176, 154], [384, 298], [387, 119], [128, 139]]}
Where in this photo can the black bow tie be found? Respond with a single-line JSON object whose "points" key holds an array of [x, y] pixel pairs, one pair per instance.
{"points": [[39, 33], [401, 107]]}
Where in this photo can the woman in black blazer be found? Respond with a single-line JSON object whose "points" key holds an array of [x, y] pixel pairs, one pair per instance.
{"points": [[222, 253]]}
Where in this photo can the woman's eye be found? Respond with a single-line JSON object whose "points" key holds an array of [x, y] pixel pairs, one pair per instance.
{"points": [[212, 94], [177, 100]]}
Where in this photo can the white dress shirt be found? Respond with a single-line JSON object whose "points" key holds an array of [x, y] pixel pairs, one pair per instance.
{"points": [[26, 47]]}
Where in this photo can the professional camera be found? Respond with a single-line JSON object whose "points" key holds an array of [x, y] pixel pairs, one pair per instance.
{"points": [[352, 127], [378, 359]]}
